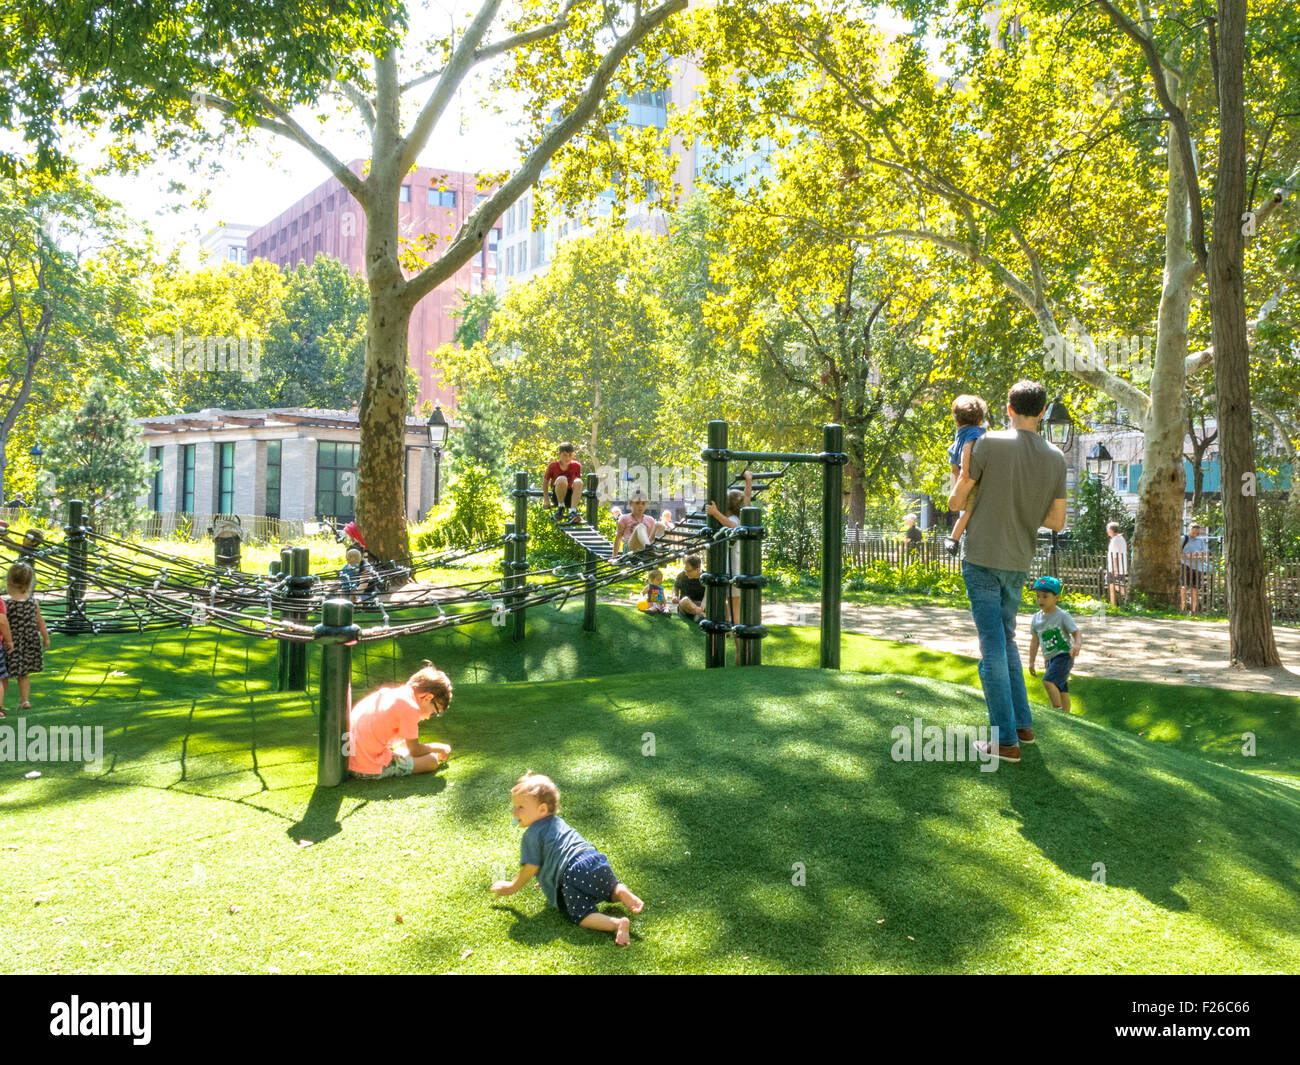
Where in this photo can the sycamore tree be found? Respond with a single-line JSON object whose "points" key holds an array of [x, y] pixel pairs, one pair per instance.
{"points": [[1006, 160], [582, 354], [197, 73]]}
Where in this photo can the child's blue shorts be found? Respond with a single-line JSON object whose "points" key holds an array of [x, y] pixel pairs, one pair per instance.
{"points": [[587, 882], [1058, 671]]}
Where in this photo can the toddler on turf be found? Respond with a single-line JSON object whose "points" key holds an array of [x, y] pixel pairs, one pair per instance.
{"points": [[688, 590], [1050, 627], [28, 633], [350, 575], [575, 877], [391, 717], [652, 599], [969, 413]]}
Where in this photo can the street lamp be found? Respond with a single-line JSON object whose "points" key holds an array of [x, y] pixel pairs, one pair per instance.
{"points": [[1098, 462], [1058, 427], [437, 427], [36, 451]]}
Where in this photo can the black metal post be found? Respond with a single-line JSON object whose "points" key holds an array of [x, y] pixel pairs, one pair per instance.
{"points": [[336, 635], [751, 630], [716, 581], [437, 475], [508, 566], [285, 567], [521, 550], [299, 588], [589, 600], [833, 459], [75, 532], [1054, 553]]}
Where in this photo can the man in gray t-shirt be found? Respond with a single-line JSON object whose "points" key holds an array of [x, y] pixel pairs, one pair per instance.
{"points": [[1021, 480]]}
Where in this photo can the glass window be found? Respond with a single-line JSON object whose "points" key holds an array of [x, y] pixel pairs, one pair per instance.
{"points": [[479, 198], [185, 469], [405, 195], [442, 198], [1121, 476], [336, 480], [225, 501], [155, 493], [273, 479]]}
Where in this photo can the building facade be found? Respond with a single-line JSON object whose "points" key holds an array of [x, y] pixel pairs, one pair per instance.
{"points": [[433, 205], [226, 244], [291, 463]]}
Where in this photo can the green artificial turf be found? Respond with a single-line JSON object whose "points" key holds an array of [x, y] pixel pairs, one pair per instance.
{"points": [[203, 845]]}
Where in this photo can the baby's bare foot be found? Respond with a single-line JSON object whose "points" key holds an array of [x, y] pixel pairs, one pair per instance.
{"points": [[623, 895], [623, 937]]}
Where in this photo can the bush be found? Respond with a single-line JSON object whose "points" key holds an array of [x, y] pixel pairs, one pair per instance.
{"points": [[548, 545], [475, 511], [1096, 504]]}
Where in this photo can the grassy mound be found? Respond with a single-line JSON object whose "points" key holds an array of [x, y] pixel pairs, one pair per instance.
{"points": [[201, 843]]}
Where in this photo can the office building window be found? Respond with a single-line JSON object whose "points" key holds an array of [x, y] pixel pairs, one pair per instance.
{"points": [[405, 195], [155, 493], [185, 473], [1121, 476], [315, 215], [336, 480], [442, 198], [480, 198], [273, 478], [225, 494]]}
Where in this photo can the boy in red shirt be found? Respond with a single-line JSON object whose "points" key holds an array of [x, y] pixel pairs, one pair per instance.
{"points": [[562, 485], [392, 716]]}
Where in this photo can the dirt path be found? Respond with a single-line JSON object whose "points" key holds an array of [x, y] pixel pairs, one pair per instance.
{"points": [[1173, 652]]}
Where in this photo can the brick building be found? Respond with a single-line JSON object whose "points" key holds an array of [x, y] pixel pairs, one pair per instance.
{"points": [[434, 202]]}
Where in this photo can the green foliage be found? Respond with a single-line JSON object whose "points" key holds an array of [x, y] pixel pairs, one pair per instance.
{"points": [[482, 440], [583, 353], [94, 454], [548, 545], [474, 511], [793, 517], [1096, 504]]}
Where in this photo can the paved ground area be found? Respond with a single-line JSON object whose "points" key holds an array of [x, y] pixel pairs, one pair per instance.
{"points": [[1173, 652]]}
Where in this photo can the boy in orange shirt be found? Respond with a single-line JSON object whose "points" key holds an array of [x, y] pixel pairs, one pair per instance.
{"points": [[391, 717]]}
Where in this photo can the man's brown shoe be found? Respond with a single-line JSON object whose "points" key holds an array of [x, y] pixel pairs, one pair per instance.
{"points": [[1025, 735], [1007, 754]]}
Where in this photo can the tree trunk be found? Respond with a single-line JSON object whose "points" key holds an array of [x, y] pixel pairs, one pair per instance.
{"points": [[1250, 624], [381, 508], [1162, 489]]}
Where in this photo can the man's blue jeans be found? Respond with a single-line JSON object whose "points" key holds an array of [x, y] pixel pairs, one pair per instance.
{"points": [[994, 604]]}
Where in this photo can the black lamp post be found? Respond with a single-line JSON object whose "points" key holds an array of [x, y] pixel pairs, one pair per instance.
{"points": [[437, 427], [1099, 462], [1058, 427]]}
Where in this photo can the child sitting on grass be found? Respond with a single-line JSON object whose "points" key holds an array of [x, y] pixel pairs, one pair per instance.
{"points": [[575, 877], [391, 718], [652, 595], [1050, 626], [688, 590], [969, 413]]}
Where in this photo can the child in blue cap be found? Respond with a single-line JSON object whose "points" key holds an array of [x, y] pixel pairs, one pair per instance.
{"points": [[1059, 635]]}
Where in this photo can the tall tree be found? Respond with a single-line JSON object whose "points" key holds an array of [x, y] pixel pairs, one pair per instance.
{"points": [[73, 300], [569, 60], [581, 353]]}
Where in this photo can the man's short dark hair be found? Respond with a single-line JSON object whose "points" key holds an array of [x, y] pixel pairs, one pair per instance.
{"points": [[1027, 398]]}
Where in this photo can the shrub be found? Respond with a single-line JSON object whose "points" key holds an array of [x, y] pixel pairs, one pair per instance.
{"points": [[474, 512]]}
